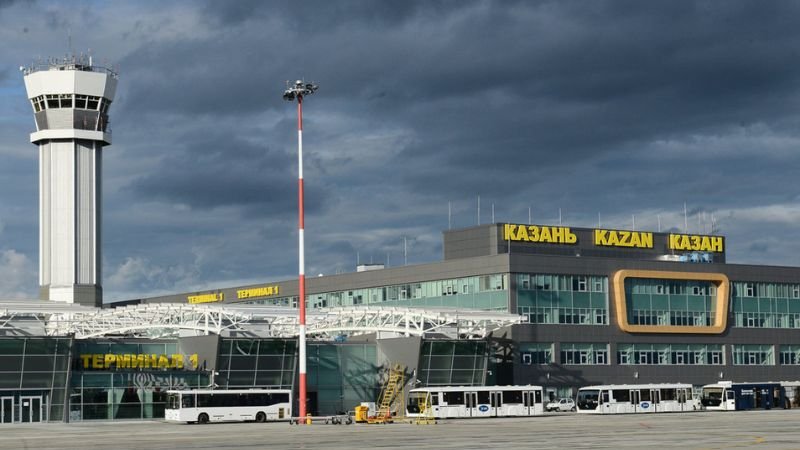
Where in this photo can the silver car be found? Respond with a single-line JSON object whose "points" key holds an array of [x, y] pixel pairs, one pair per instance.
{"points": [[562, 404]]}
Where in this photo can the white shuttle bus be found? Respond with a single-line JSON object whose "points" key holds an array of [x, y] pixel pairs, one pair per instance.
{"points": [[636, 398], [443, 402], [228, 405]]}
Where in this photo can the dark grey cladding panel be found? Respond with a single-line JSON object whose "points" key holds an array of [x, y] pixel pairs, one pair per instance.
{"points": [[470, 242]]}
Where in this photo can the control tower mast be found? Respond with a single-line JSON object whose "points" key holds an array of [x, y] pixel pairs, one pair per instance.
{"points": [[70, 99]]}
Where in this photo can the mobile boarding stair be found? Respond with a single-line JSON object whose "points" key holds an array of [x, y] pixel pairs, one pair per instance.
{"points": [[392, 397]]}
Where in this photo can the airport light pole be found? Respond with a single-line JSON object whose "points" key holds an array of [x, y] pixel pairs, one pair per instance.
{"points": [[293, 92]]}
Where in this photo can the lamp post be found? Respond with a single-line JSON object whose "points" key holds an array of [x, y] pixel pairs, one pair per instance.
{"points": [[293, 92]]}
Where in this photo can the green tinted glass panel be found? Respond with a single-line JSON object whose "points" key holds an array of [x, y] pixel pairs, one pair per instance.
{"points": [[11, 346]]}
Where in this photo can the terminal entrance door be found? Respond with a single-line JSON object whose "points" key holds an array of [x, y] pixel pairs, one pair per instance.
{"points": [[6, 409], [30, 409]]}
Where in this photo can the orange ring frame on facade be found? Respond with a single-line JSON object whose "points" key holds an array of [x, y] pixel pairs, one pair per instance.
{"points": [[720, 315]]}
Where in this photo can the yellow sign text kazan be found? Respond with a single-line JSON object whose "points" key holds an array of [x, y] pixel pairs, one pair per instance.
{"points": [[542, 234], [696, 243], [621, 238]]}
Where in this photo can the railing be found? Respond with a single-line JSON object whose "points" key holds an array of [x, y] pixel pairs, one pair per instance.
{"points": [[81, 63]]}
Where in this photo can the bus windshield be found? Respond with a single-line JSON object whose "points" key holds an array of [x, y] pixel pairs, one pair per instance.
{"points": [[173, 401], [416, 401], [712, 396], [588, 399]]}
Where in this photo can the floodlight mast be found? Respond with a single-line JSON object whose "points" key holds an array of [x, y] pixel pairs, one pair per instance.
{"points": [[296, 92]]}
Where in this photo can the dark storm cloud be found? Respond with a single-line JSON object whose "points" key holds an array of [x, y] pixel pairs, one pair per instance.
{"points": [[6, 3], [615, 107], [210, 170], [322, 14]]}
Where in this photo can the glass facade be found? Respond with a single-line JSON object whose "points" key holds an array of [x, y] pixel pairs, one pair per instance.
{"points": [[486, 292], [33, 377], [584, 354], [670, 354], [341, 376], [536, 353], [670, 302], [562, 299], [102, 390], [753, 355], [766, 305], [459, 363], [264, 363]]}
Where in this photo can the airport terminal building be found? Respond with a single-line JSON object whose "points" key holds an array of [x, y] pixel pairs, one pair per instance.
{"points": [[509, 304], [554, 306]]}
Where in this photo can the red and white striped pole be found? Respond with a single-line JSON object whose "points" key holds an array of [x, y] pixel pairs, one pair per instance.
{"points": [[301, 250], [297, 91]]}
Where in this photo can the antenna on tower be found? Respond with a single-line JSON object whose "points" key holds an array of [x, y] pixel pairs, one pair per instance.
{"points": [[685, 219], [479, 209], [449, 216]]}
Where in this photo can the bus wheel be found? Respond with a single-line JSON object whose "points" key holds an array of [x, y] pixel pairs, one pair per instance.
{"points": [[202, 418], [261, 417]]}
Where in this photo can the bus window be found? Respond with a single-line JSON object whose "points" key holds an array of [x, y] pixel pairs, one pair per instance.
{"points": [[622, 395], [604, 397], [512, 396], [667, 394], [188, 401], [434, 399], [483, 397], [644, 395], [537, 395], [454, 398]]}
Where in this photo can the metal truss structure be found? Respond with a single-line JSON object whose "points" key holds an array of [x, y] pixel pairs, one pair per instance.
{"points": [[155, 320]]}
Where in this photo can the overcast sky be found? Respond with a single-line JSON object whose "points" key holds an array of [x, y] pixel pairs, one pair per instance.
{"points": [[617, 109]]}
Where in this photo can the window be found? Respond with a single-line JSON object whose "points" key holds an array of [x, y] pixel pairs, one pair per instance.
{"points": [[527, 358], [66, 101], [601, 356], [759, 355], [454, 398], [749, 290], [579, 284]]}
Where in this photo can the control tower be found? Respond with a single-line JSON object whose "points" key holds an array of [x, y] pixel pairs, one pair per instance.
{"points": [[70, 99]]}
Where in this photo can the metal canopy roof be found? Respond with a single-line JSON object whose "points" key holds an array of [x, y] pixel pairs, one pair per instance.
{"points": [[154, 320]]}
